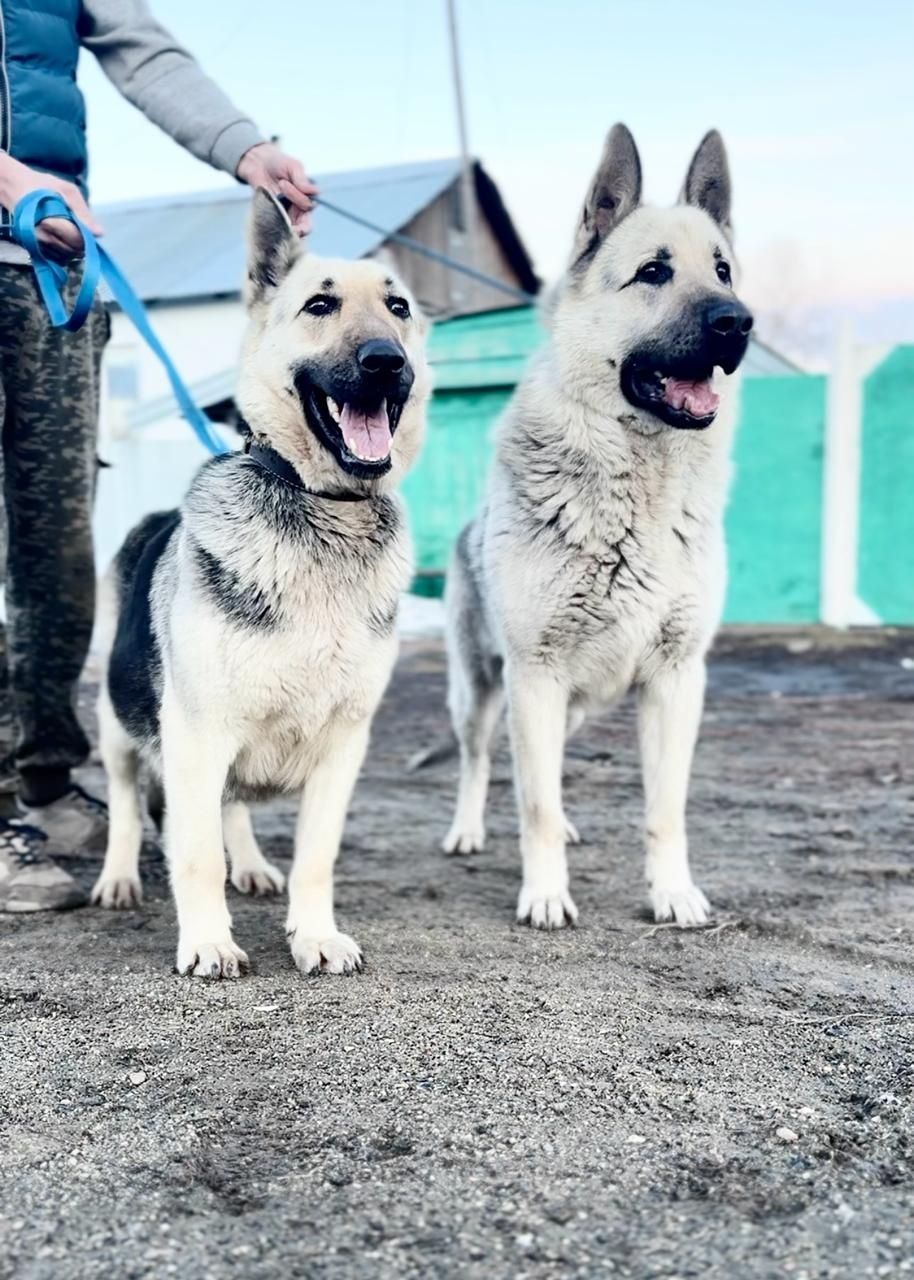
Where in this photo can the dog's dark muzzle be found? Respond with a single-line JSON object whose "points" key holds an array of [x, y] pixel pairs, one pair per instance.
{"points": [[726, 325], [383, 371], [354, 405]]}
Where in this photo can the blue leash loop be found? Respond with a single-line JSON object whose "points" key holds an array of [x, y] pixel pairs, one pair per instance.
{"points": [[98, 265]]}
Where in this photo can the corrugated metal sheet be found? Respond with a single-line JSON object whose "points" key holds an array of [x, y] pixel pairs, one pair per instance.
{"points": [[192, 246]]}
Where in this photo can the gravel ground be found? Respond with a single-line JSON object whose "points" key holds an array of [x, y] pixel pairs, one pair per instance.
{"points": [[483, 1101]]}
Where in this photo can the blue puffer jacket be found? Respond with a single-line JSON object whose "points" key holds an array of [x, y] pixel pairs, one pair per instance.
{"points": [[42, 113]]}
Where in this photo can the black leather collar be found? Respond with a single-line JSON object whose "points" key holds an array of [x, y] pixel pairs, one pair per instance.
{"points": [[269, 460]]}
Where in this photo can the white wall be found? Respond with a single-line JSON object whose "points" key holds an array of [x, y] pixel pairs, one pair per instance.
{"points": [[152, 466], [202, 338]]}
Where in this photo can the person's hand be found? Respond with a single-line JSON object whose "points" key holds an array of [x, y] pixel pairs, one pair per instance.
{"points": [[58, 235], [266, 166]]}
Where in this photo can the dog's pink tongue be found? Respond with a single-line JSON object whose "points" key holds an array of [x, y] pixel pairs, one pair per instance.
{"points": [[696, 398], [367, 435]]}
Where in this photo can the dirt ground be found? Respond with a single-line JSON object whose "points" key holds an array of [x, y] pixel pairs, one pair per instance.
{"points": [[484, 1101]]}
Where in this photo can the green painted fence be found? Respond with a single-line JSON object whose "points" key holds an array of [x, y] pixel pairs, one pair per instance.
{"points": [[885, 563], [774, 518]]}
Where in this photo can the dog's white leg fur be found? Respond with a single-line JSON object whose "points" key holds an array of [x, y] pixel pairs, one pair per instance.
{"points": [[669, 716], [251, 873], [195, 760], [475, 713], [119, 882], [316, 943], [538, 711]]}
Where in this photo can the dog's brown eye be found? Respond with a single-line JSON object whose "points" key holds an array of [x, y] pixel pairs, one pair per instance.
{"points": [[322, 304], [655, 272], [723, 272], [398, 307]]}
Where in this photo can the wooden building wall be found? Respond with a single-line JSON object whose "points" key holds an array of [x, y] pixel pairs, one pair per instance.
{"points": [[443, 292]]}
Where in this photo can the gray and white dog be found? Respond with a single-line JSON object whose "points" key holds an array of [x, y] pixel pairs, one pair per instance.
{"points": [[598, 561], [255, 628]]}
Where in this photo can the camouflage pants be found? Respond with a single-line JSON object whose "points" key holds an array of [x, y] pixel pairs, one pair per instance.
{"points": [[49, 393]]}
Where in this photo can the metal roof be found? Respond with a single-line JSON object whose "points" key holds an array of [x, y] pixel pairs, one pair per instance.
{"points": [[192, 246]]}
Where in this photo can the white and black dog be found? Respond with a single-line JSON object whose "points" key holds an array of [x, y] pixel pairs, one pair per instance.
{"points": [[255, 626], [598, 561]]}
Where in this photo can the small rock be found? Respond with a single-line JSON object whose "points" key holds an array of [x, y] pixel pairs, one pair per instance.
{"points": [[635, 1139], [787, 1135], [524, 1241], [137, 1077]]}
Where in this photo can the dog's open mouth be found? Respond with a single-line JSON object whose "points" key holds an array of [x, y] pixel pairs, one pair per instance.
{"points": [[368, 434], [689, 403], [360, 436]]}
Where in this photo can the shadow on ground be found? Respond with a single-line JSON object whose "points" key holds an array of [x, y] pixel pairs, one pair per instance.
{"points": [[488, 1102]]}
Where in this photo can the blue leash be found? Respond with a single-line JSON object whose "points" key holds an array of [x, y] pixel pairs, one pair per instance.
{"points": [[98, 265]]}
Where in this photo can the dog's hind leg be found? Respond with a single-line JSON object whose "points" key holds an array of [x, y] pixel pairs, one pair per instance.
{"points": [[251, 873], [119, 882], [155, 802], [317, 945], [538, 714], [576, 717], [669, 715], [475, 696], [475, 707], [196, 758]]}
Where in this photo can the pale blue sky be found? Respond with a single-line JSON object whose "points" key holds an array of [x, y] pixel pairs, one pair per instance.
{"points": [[815, 99]]}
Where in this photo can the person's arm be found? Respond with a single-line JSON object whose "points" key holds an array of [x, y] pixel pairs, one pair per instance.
{"points": [[154, 72]]}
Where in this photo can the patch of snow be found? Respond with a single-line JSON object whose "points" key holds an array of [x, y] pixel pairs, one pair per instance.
{"points": [[421, 616]]}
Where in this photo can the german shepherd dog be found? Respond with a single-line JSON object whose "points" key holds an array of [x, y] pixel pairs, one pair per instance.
{"points": [[598, 561], [256, 626]]}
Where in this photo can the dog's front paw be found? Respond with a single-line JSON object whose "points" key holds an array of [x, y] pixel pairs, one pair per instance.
{"points": [[336, 953], [259, 882], [546, 910], [464, 837], [683, 903], [117, 893], [199, 959]]}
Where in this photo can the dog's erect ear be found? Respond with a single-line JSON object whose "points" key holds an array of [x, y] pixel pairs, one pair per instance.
{"points": [[707, 183], [272, 245], [614, 193]]}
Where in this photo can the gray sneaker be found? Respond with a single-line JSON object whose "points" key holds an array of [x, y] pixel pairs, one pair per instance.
{"points": [[29, 880], [75, 824]]}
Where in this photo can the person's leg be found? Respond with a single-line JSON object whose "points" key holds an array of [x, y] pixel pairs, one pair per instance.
{"points": [[9, 781], [50, 464], [9, 778], [29, 880]]}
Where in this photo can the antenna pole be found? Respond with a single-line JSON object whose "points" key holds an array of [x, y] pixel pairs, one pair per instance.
{"points": [[467, 185]]}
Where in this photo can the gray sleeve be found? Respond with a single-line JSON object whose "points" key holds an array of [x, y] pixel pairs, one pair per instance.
{"points": [[148, 66]]}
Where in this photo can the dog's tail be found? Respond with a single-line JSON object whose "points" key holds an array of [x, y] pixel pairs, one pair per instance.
{"points": [[445, 749]]}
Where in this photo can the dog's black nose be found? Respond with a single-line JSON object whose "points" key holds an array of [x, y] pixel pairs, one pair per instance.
{"points": [[729, 319], [381, 356], [727, 325]]}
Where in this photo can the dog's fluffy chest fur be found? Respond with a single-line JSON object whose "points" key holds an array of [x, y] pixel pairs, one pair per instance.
{"points": [[283, 607], [602, 547]]}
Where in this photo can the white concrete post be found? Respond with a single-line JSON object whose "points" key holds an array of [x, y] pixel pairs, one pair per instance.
{"points": [[841, 484]]}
